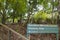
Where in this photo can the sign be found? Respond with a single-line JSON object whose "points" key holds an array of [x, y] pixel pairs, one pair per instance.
{"points": [[38, 28]]}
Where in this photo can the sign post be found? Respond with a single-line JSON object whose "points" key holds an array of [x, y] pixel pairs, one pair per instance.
{"points": [[38, 28]]}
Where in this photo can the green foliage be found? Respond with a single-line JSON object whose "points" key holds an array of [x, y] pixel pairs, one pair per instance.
{"points": [[40, 15], [1, 4], [44, 3], [19, 8], [54, 3]]}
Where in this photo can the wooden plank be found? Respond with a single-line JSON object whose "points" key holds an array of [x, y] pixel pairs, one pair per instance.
{"points": [[1, 38]]}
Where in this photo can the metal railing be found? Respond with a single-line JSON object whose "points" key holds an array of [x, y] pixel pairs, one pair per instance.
{"points": [[7, 33]]}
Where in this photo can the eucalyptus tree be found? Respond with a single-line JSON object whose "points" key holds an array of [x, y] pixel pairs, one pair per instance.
{"points": [[31, 4], [18, 9], [50, 6], [3, 9], [58, 18], [12, 9]]}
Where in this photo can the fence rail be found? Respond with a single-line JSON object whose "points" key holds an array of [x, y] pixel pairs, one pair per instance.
{"points": [[7, 33]]}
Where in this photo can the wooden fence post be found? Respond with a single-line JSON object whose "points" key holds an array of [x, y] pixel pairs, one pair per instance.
{"points": [[9, 35]]}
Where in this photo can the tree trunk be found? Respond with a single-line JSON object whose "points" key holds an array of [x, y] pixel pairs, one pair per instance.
{"points": [[58, 18], [3, 18], [4, 13], [13, 20]]}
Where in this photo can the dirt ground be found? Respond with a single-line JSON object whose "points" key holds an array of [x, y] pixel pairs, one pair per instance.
{"points": [[43, 37]]}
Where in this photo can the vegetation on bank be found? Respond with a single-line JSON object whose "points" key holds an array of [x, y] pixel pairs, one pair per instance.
{"points": [[29, 11]]}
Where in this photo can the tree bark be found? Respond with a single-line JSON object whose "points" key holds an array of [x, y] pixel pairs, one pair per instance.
{"points": [[13, 20], [58, 18], [3, 18]]}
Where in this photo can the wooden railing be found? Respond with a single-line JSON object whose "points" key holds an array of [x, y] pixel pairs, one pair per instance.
{"points": [[7, 33]]}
